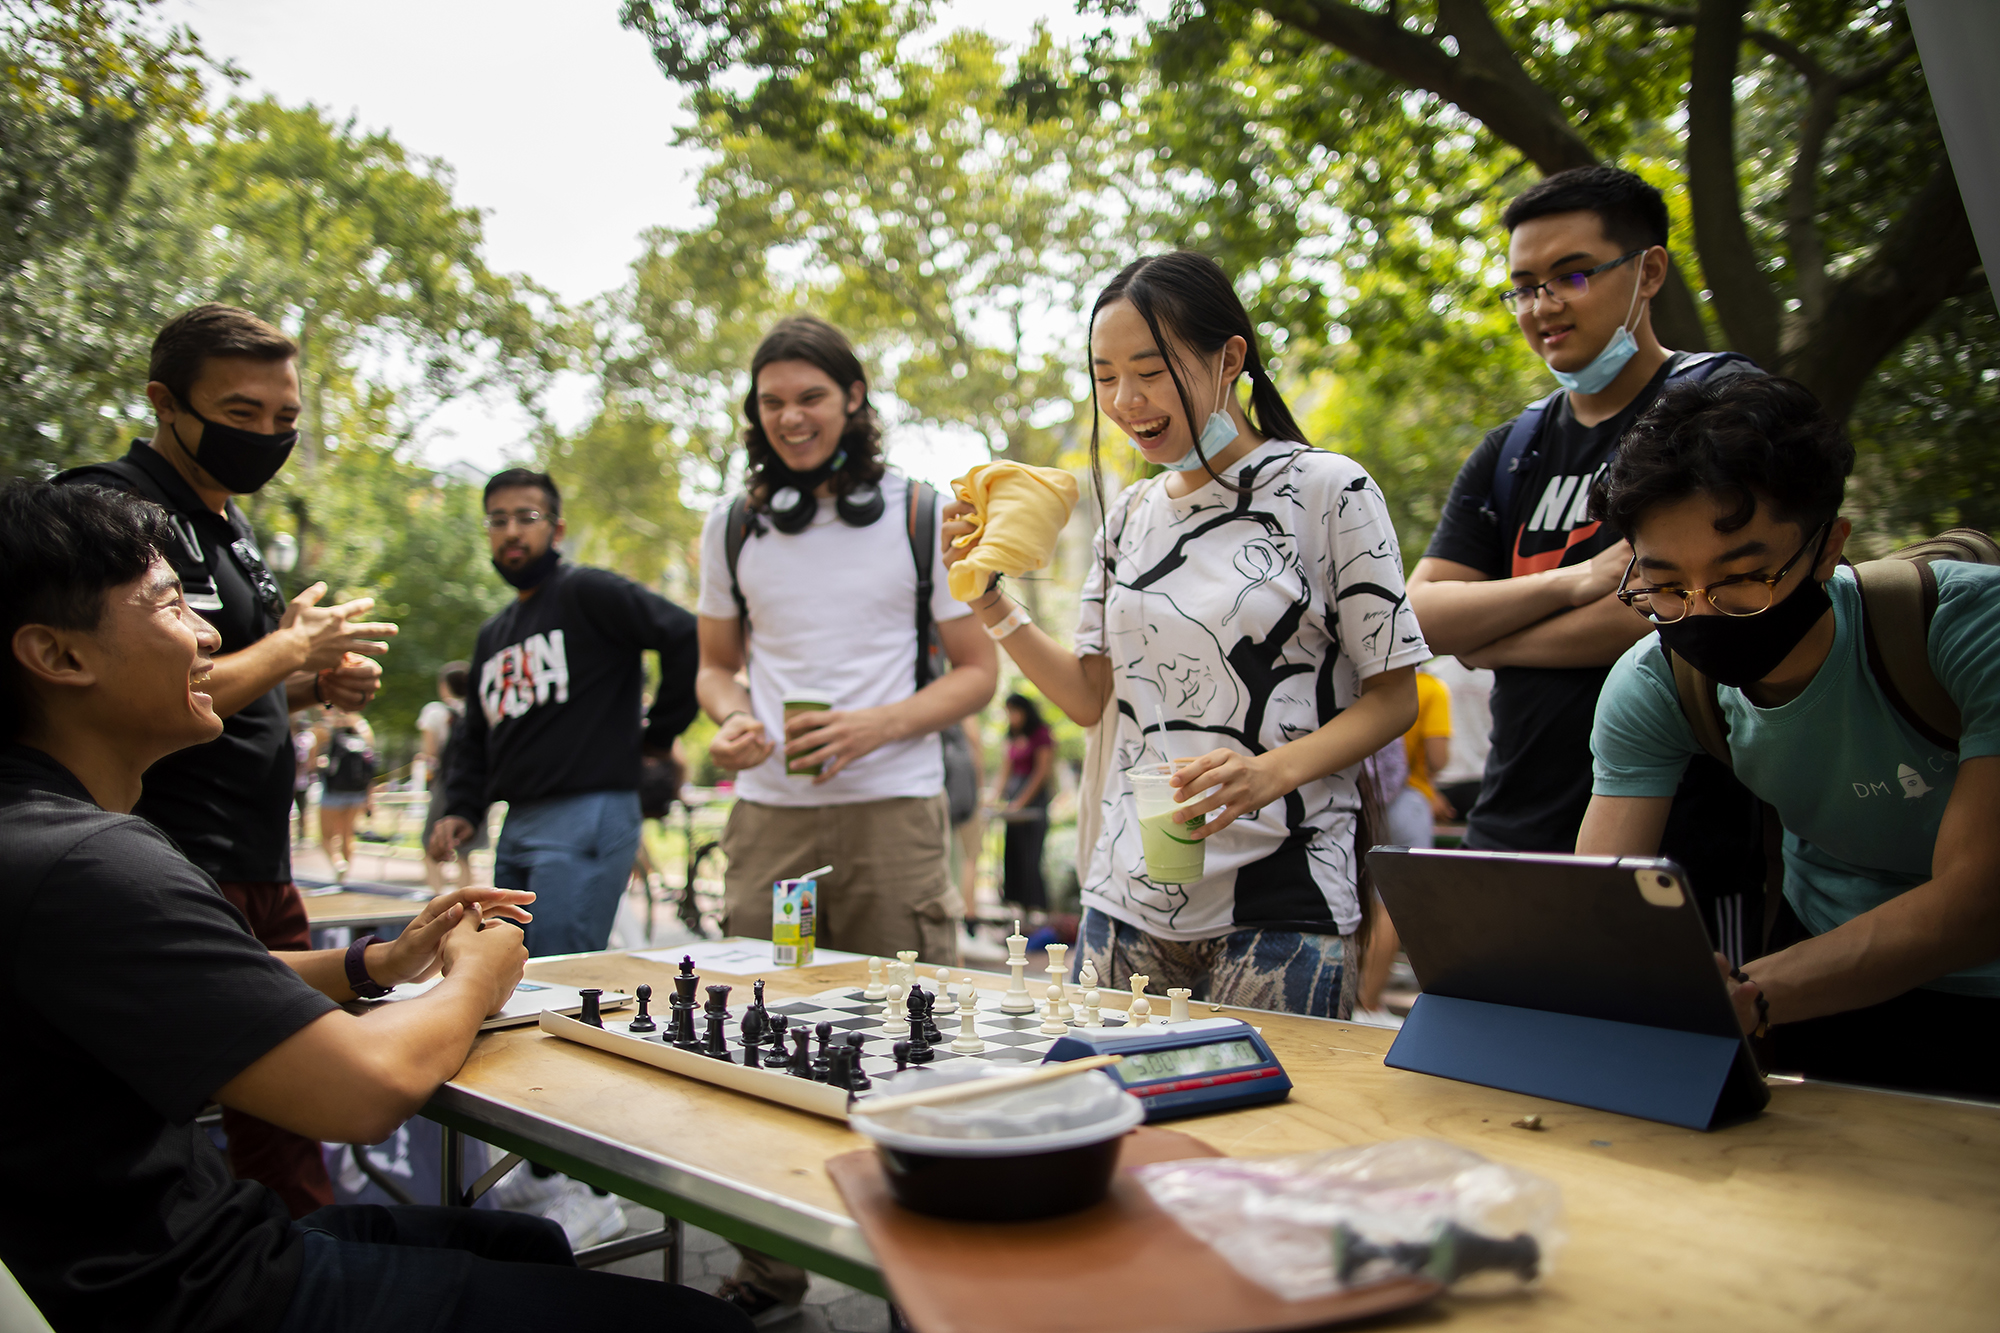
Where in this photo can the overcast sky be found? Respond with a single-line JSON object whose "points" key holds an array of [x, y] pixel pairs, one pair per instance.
{"points": [[554, 119]]}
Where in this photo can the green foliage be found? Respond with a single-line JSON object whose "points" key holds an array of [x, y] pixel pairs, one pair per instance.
{"points": [[621, 482]]}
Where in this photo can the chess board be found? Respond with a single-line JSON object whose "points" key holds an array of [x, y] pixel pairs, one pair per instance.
{"points": [[1009, 1039]]}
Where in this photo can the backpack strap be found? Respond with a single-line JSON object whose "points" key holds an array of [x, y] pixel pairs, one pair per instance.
{"points": [[736, 531], [1515, 457], [921, 512], [1898, 598], [1697, 695]]}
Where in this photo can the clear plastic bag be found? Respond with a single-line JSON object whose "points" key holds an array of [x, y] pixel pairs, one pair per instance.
{"points": [[1312, 1224]]}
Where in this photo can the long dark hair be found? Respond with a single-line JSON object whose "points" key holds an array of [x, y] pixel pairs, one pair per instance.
{"points": [[812, 340], [1027, 706], [1186, 294]]}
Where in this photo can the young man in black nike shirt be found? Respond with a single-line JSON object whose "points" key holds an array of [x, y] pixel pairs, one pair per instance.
{"points": [[137, 995], [1520, 579], [553, 725]]}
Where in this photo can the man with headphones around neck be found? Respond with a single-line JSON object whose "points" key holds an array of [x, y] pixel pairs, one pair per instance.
{"points": [[828, 590]]}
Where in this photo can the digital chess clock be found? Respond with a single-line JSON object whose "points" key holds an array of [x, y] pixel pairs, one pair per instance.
{"points": [[1177, 1069]]}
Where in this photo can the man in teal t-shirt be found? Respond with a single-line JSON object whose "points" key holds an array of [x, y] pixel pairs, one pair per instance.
{"points": [[1885, 966]]}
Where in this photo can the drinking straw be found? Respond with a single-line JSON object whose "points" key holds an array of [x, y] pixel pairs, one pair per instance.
{"points": [[1160, 721]]}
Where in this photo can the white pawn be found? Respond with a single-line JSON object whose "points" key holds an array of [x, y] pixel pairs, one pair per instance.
{"points": [[947, 1002], [1052, 1019], [1140, 1011], [894, 1022], [968, 1041], [1091, 999], [875, 990], [1177, 997]]}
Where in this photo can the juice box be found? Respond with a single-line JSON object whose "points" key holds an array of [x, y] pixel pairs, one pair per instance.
{"points": [[792, 903]]}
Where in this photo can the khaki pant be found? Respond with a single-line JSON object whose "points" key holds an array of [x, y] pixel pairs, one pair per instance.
{"points": [[889, 888]]}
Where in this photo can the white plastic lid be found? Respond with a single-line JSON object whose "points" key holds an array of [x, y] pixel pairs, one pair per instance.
{"points": [[1044, 1117]]}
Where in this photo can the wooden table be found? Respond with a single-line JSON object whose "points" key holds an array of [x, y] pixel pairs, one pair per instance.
{"points": [[360, 909], [1838, 1208]]}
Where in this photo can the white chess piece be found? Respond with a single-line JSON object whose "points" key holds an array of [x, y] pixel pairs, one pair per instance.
{"points": [[947, 1002], [1140, 1011], [908, 958], [875, 989], [1052, 1019], [1058, 967], [1091, 999], [1177, 997], [894, 1022], [968, 1040], [1086, 976], [1017, 999]]}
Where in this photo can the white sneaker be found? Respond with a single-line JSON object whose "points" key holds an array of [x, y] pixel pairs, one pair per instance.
{"points": [[586, 1217], [522, 1191], [1380, 1018]]}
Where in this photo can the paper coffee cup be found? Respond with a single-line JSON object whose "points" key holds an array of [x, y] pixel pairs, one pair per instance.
{"points": [[804, 701]]}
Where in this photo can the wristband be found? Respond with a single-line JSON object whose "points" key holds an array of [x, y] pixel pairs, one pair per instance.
{"points": [[1012, 621], [357, 970], [319, 687], [734, 712]]}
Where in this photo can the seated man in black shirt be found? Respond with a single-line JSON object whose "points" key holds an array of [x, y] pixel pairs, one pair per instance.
{"points": [[137, 994]]}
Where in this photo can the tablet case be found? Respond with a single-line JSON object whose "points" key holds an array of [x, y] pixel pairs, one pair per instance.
{"points": [[1587, 980]]}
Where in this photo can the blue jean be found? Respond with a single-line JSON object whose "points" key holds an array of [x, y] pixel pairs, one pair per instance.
{"points": [[575, 854], [1292, 971], [436, 1270]]}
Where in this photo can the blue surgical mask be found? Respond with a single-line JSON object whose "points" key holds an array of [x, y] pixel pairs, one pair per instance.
{"points": [[1217, 435], [1604, 367]]}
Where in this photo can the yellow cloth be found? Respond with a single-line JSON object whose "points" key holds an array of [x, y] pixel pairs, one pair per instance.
{"points": [[1020, 511], [1433, 719]]}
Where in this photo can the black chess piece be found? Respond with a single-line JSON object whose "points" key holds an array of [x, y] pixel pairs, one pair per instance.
{"points": [[802, 1064], [840, 1066], [683, 1035], [751, 1030], [901, 1050], [931, 1033], [1454, 1252], [757, 995], [920, 1037], [718, 1000], [777, 1057], [644, 1022], [716, 1044], [824, 1031], [590, 1014], [857, 1078]]}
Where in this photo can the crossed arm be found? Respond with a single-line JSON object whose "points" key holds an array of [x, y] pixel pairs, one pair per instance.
{"points": [[1949, 922], [1564, 617]]}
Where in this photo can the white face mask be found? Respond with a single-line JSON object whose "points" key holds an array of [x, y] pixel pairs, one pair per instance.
{"points": [[1218, 434], [1604, 367]]}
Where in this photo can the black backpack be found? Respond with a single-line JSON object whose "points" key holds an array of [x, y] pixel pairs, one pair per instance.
{"points": [[350, 762]]}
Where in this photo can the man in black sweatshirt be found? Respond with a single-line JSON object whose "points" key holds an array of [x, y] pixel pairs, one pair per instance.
{"points": [[553, 727]]}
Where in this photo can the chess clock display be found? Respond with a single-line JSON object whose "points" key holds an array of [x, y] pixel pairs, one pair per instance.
{"points": [[1183, 1069]]}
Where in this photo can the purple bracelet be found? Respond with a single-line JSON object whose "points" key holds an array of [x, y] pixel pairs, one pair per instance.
{"points": [[357, 969]]}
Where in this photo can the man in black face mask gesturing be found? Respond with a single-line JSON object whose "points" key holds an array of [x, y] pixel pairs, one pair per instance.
{"points": [[224, 386], [1884, 965], [553, 726]]}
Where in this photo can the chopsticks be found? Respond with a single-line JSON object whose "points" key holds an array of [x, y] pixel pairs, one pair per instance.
{"points": [[983, 1087]]}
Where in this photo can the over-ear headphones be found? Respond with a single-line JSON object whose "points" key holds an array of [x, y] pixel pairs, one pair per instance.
{"points": [[794, 499]]}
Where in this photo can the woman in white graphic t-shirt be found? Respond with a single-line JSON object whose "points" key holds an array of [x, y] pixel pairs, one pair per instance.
{"points": [[1252, 597]]}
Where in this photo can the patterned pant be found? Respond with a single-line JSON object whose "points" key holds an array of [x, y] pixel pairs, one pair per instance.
{"points": [[1286, 970]]}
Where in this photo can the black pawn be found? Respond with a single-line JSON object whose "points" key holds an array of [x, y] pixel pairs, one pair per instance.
{"points": [[901, 1050], [821, 1065], [644, 1022], [716, 1047], [857, 1078], [777, 1057], [802, 1063], [752, 1031], [590, 1014]]}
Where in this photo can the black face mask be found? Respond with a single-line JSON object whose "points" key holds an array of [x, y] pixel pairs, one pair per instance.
{"points": [[241, 461], [794, 500], [531, 574], [1741, 650]]}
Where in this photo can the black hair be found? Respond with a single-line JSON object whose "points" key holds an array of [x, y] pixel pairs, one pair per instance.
{"points": [[1632, 213], [456, 677], [812, 340], [1187, 295], [186, 343], [1746, 440], [520, 476], [61, 549], [1027, 705]]}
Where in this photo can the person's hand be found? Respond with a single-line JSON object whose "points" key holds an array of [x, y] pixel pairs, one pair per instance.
{"points": [[499, 946], [446, 835], [351, 686], [1243, 784], [1442, 810], [834, 738], [740, 743], [415, 955], [958, 525], [1598, 576], [327, 634], [1742, 995]]}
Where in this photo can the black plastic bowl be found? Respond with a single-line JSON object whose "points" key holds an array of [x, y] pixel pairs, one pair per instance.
{"points": [[1002, 1189]]}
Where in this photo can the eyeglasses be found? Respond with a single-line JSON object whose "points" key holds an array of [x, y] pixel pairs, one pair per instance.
{"points": [[1739, 595], [1563, 288], [500, 519]]}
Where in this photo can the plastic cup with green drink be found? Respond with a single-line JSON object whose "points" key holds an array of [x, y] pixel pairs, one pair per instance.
{"points": [[804, 701], [1172, 856]]}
